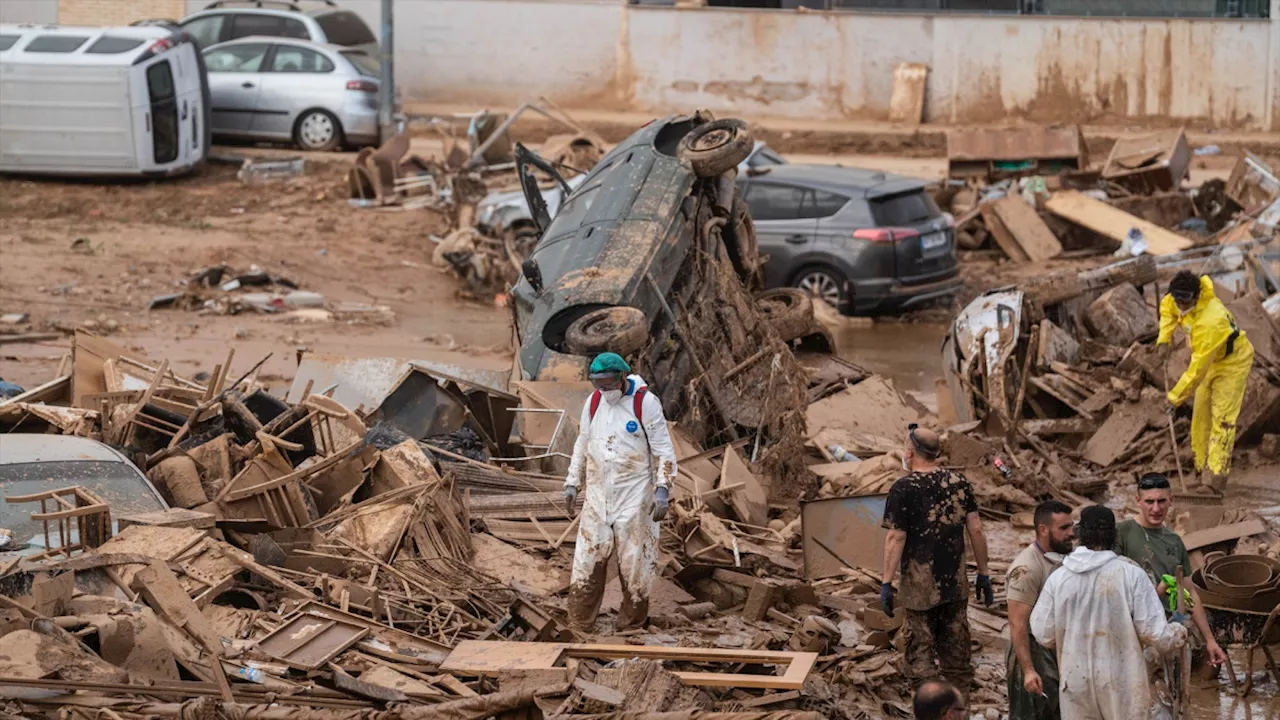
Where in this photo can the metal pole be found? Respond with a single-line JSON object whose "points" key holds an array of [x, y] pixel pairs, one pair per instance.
{"points": [[387, 86]]}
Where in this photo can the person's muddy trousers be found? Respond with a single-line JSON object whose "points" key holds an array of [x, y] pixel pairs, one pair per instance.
{"points": [[937, 645], [635, 543]]}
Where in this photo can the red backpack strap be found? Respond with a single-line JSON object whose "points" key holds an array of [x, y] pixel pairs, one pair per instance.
{"points": [[595, 404], [639, 404]]}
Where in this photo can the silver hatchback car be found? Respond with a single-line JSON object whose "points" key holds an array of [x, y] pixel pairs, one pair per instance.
{"points": [[271, 88]]}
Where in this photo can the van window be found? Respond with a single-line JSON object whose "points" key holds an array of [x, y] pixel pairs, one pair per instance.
{"points": [[296, 59], [238, 58], [56, 43], [164, 112], [7, 41], [107, 45], [207, 30], [345, 28]]}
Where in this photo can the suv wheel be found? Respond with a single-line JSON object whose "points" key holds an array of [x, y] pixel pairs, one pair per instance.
{"points": [[788, 310], [822, 283], [318, 130], [715, 147], [622, 330]]}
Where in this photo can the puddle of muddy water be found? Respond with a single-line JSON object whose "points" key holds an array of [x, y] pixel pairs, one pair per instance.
{"points": [[909, 354]]}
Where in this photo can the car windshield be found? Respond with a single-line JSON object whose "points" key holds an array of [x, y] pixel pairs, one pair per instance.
{"points": [[364, 62], [905, 209], [572, 213], [117, 483], [765, 157]]}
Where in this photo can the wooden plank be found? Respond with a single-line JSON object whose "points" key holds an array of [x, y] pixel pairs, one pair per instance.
{"points": [[1027, 229], [1113, 222], [750, 503], [1002, 236], [159, 586], [1060, 426], [1223, 533], [1115, 436], [906, 105]]}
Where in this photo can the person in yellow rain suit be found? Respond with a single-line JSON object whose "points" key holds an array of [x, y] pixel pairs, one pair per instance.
{"points": [[1221, 357]]}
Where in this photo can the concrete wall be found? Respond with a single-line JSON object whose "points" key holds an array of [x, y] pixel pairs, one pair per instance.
{"points": [[832, 66], [36, 12]]}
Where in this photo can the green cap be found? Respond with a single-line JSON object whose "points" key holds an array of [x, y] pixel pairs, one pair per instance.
{"points": [[609, 364]]}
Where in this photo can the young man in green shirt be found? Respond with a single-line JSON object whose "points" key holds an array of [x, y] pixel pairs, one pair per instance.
{"points": [[1159, 551]]}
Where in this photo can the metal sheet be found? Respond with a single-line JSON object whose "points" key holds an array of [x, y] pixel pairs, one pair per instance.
{"points": [[842, 532], [367, 381]]}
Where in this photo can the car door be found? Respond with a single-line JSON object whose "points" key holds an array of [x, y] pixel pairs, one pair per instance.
{"points": [[297, 78], [235, 74], [784, 233]]}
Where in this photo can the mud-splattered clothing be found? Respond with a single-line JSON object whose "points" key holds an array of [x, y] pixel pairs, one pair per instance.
{"points": [[937, 645], [1097, 612], [1023, 583], [931, 508], [618, 461], [1158, 552]]}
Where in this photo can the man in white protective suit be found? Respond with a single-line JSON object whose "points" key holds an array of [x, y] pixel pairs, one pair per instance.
{"points": [[624, 462], [1098, 610]]}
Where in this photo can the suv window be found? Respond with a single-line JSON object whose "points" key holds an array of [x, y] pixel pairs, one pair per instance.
{"points": [[247, 24], [345, 28], [8, 41], [296, 59], [905, 209], [107, 45], [56, 43], [239, 58], [207, 30], [774, 201], [363, 62]]}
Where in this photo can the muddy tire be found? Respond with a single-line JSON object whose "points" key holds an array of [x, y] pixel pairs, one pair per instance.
{"points": [[716, 146], [823, 283], [622, 330], [788, 310], [740, 240]]}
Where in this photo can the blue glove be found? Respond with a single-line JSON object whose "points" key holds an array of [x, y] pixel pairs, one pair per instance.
{"points": [[660, 503], [985, 592], [570, 497], [886, 598], [1179, 618]]}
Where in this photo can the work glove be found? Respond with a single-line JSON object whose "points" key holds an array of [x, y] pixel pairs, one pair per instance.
{"points": [[570, 498], [1178, 618], [985, 591], [1169, 582], [660, 503], [886, 598]]}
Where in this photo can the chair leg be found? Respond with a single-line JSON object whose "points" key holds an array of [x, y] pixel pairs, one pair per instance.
{"points": [[1248, 671], [1271, 664]]}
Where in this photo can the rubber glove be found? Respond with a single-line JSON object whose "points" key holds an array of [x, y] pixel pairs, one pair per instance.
{"points": [[985, 591], [661, 503], [570, 497], [886, 598]]}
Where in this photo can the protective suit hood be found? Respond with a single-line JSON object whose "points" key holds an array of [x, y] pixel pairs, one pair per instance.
{"points": [[1083, 560]]}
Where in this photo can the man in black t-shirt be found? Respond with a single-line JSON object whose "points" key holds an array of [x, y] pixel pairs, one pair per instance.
{"points": [[927, 513]]}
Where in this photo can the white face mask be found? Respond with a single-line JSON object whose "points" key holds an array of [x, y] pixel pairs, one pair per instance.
{"points": [[906, 463], [612, 396]]}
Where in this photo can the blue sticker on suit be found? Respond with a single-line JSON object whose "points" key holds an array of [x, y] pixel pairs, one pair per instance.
{"points": [[632, 426]]}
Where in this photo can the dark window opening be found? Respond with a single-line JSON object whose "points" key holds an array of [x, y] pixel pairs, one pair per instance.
{"points": [[164, 112], [345, 28], [8, 41], [904, 210], [107, 45], [772, 201], [56, 43]]}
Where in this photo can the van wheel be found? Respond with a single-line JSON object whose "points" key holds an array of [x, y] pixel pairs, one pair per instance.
{"points": [[715, 147], [821, 283], [788, 310], [318, 130], [622, 330]]}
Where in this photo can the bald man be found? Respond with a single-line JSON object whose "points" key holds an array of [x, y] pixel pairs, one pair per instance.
{"points": [[927, 514]]}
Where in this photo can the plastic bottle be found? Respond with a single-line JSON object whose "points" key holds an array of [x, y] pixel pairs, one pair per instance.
{"points": [[839, 454]]}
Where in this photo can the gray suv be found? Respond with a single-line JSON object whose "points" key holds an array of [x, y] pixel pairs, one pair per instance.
{"points": [[320, 22], [864, 241]]}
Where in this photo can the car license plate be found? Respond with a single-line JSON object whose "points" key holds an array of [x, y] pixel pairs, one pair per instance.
{"points": [[934, 244]]}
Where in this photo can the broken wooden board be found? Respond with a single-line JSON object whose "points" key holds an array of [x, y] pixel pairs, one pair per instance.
{"points": [[1223, 533], [401, 466], [749, 500], [1026, 228], [1113, 222], [872, 407], [1003, 237], [510, 564], [490, 659], [89, 352], [906, 104], [172, 518], [1121, 428], [163, 543]]}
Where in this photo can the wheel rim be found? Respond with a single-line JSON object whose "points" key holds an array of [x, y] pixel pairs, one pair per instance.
{"points": [[712, 140], [821, 286], [317, 130]]}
